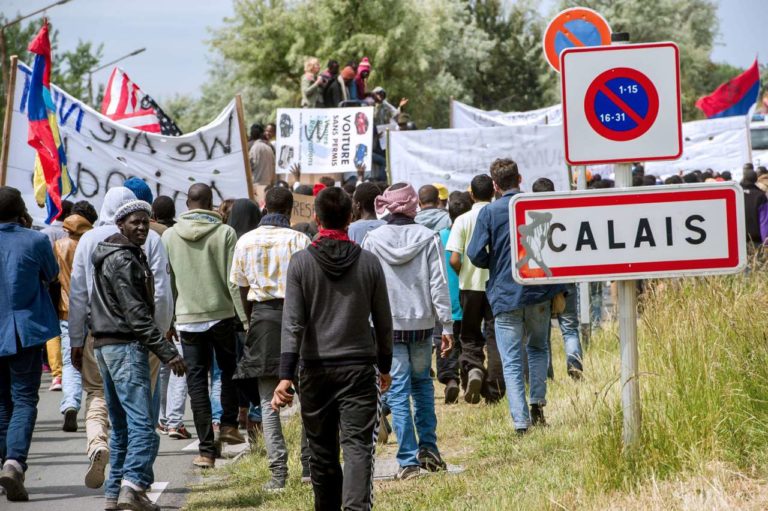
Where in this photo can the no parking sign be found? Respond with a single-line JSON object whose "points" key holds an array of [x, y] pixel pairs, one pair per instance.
{"points": [[621, 103]]}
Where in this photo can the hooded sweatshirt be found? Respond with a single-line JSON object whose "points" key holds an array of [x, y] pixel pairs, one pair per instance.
{"points": [[417, 283], [200, 248], [81, 283], [332, 289], [434, 218], [64, 249]]}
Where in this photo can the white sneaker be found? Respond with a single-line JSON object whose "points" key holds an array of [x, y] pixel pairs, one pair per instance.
{"points": [[55, 384]]}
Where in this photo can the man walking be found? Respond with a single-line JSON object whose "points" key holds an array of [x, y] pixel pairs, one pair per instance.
{"points": [[259, 268], [431, 215], [200, 249], [27, 320], [123, 334], [332, 289], [412, 258]]}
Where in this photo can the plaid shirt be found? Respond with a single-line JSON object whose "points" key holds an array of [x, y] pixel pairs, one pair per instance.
{"points": [[261, 261]]}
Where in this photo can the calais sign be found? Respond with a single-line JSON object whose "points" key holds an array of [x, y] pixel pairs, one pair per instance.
{"points": [[628, 234], [324, 140]]}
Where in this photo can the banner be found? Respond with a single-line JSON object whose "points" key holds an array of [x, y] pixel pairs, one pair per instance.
{"points": [[102, 153], [324, 140], [453, 156], [465, 116]]}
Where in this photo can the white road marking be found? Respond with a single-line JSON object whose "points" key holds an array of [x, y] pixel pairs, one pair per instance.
{"points": [[157, 489]]}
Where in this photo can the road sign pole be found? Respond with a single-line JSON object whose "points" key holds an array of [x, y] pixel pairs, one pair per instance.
{"points": [[583, 287]]}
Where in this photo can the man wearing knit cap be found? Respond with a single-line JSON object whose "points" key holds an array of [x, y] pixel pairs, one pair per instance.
{"points": [[140, 189], [123, 334], [363, 70], [412, 258]]}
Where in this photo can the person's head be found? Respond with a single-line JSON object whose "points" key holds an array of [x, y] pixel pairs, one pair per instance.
{"points": [[398, 199], [329, 182], [132, 219], [348, 74], [224, 208], [364, 68], [442, 193], [280, 201], [708, 173], [140, 189], [163, 209], [115, 197], [429, 197], [637, 180], [649, 180], [691, 177], [543, 185], [364, 197], [481, 188], [12, 207], [402, 120], [638, 170], [761, 171], [748, 166], [749, 177], [726, 175], [505, 174], [270, 131], [257, 131], [303, 190], [673, 180], [311, 65], [244, 216], [200, 196], [379, 94], [349, 187], [66, 209], [602, 184], [333, 67], [86, 210], [458, 204], [333, 209]]}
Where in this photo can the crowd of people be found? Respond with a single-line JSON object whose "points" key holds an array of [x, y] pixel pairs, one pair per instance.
{"points": [[242, 310]]}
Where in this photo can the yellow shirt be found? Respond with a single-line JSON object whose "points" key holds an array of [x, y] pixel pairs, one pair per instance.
{"points": [[471, 278]]}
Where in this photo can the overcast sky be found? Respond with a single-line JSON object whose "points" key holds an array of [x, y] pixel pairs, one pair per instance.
{"points": [[175, 33]]}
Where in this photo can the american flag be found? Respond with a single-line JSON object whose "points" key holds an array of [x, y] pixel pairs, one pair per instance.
{"points": [[126, 103]]}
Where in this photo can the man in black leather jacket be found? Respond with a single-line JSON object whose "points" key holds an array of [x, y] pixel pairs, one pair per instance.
{"points": [[123, 330]]}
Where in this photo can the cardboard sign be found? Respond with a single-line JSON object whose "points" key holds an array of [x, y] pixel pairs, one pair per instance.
{"points": [[303, 209]]}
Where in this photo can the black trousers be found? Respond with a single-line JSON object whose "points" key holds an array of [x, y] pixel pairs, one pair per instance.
{"points": [[242, 398], [475, 340], [341, 407], [448, 368], [199, 349]]}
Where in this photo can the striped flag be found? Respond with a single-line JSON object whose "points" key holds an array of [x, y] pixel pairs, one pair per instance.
{"points": [[51, 180], [735, 97], [126, 103]]}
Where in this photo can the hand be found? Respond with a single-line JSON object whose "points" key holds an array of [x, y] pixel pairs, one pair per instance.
{"points": [[77, 358], [403, 102], [385, 381], [446, 346], [171, 335], [319, 80], [177, 365], [360, 171], [283, 395], [296, 171]]}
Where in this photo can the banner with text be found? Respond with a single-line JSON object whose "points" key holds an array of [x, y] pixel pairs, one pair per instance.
{"points": [[324, 140], [465, 116], [453, 157], [102, 153]]}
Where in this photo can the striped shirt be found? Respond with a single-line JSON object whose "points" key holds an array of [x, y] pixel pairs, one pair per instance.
{"points": [[261, 261]]}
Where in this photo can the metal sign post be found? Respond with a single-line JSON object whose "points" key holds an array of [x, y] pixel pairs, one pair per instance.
{"points": [[585, 326]]}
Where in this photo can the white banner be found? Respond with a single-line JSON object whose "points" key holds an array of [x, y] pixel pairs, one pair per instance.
{"points": [[453, 157], [324, 140], [465, 116], [102, 153]]}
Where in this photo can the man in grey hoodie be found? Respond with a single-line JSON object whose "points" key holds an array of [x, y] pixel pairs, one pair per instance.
{"points": [[431, 214], [412, 258]]}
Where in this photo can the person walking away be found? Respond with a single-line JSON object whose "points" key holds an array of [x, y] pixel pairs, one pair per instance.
{"points": [[755, 208], [259, 268], [123, 334], [311, 84], [207, 309], [262, 158], [78, 223], [334, 293], [482, 381], [27, 320], [411, 256], [431, 215], [363, 207], [163, 212], [519, 311]]}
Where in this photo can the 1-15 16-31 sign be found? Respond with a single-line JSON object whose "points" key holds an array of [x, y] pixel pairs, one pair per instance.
{"points": [[628, 234]]}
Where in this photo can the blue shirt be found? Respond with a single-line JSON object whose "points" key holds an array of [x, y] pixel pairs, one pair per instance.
{"points": [[491, 248], [27, 266], [453, 279]]}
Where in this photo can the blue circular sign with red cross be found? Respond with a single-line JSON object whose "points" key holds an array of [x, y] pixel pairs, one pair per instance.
{"points": [[621, 104]]}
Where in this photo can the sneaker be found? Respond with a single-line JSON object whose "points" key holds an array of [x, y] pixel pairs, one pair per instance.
{"points": [[55, 384], [94, 478], [474, 385], [537, 415], [163, 430], [204, 462], [12, 481], [110, 504], [179, 433], [430, 460], [70, 420], [306, 477], [408, 472], [135, 500], [231, 435], [46, 368], [384, 430], [452, 392], [275, 484]]}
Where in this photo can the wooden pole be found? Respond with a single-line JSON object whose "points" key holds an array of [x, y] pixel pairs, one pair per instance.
{"points": [[10, 92], [244, 143]]}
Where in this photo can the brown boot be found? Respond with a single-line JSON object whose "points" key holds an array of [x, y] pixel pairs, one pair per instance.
{"points": [[242, 417], [231, 435], [204, 462]]}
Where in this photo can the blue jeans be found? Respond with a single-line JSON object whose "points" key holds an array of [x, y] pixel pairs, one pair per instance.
{"points": [[19, 385], [173, 396], [411, 362], [72, 380], [596, 303], [133, 444], [215, 390], [511, 329], [569, 326]]}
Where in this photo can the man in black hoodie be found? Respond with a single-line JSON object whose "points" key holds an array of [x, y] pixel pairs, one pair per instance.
{"points": [[332, 288], [122, 308]]}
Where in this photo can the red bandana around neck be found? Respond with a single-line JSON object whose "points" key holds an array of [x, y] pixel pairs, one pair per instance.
{"points": [[333, 234]]}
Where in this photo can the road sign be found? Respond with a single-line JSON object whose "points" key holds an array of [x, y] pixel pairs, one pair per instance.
{"points": [[622, 234], [575, 27], [621, 103]]}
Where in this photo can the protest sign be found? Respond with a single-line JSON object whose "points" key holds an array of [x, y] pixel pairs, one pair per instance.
{"points": [[303, 208], [465, 116], [453, 157], [324, 140], [102, 153]]}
